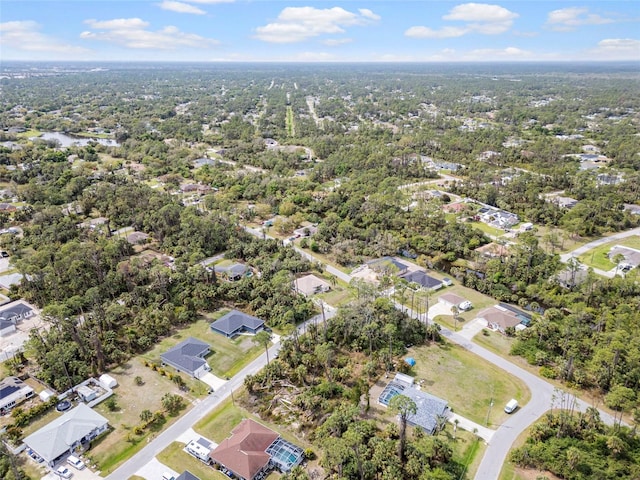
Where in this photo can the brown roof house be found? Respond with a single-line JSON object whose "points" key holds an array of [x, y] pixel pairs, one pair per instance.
{"points": [[253, 449], [310, 285], [499, 319]]}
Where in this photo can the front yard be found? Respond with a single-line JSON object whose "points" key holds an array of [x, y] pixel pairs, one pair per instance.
{"points": [[467, 382]]}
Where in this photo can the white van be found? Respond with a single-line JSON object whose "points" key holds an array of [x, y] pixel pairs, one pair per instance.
{"points": [[75, 462], [511, 406]]}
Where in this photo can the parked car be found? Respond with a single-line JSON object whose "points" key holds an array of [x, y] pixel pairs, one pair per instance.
{"points": [[64, 472], [75, 462], [447, 282], [511, 406], [466, 305]]}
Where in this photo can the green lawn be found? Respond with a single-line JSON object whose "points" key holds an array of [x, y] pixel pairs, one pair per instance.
{"points": [[178, 460], [228, 355], [496, 232], [597, 257], [466, 381], [29, 133]]}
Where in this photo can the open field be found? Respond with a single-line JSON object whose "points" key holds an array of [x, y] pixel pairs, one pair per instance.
{"points": [[597, 257], [467, 382], [228, 355]]}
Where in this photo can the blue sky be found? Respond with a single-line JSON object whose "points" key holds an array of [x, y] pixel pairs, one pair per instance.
{"points": [[330, 31]]}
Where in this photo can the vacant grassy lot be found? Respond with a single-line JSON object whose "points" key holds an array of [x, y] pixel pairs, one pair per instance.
{"points": [[111, 450], [597, 257], [227, 357], [467, 382]]}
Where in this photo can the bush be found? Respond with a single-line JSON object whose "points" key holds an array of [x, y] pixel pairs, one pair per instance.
{"points": [[111, 404], [138, 380], [548, 372]]}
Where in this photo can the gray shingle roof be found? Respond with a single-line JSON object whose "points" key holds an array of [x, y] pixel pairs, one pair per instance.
{"points": [[55, 438], [187, 355], [422, 279], [187, 475], [14, 311], [235, 321]]}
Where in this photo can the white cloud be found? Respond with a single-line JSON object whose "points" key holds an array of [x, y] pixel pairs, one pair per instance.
{"points": [[444, 32], [365, 12], [480, 18], [297, 24], [567, 19], [133, 33], [25, 36], [335, 42], [480, 12], [616, 49], [509, 52], [180, 7]]}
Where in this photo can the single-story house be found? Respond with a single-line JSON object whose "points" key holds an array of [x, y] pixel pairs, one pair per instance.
{"points": [[236, 322], [631, 256], [422, 279], [450, 300], [233, 272], [499, 318], [12, 392], [187, 475], [631, 208], [565, 202], [569, 278], [188, 356], [7, 327], [388, 265], [429, 408], [494, 250], [252, 448], [306, 231], [74, 429], [310, 285], [16, 311], [137, 238]]}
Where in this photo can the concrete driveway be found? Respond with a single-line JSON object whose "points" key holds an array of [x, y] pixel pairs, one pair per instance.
{"points": [[154, 470], [214, 382]]}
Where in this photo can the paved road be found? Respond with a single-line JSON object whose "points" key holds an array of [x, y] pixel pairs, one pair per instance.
{"points": [[332, 270], [596, 243], [202, 409]]}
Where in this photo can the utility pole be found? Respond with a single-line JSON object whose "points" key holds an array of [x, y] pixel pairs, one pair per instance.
{"points": [[486, 422]]}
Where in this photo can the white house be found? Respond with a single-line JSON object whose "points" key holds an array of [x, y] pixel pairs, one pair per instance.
{"points": [[12, 392], [74, 429]]}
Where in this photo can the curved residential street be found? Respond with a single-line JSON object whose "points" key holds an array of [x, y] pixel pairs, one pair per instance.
{"points": [[543, 394], [596, 243]]}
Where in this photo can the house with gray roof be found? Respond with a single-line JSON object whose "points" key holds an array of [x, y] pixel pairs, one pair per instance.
{"points": [[236, 322], [188, 356], [74, 429], [12, 392], [16, 311], [429, 408], [388, 265], [233, 272], [423, 280], [187, 475]]}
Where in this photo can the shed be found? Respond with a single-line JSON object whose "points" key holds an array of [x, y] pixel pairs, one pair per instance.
{"points": [[107, 381], [46, 395], [86, 393]]}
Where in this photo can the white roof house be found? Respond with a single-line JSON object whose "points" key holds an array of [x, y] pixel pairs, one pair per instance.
{"points": [[61, 436]]}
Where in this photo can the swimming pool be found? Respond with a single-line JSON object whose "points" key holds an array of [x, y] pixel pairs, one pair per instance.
{"points": [[390, 391]]}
